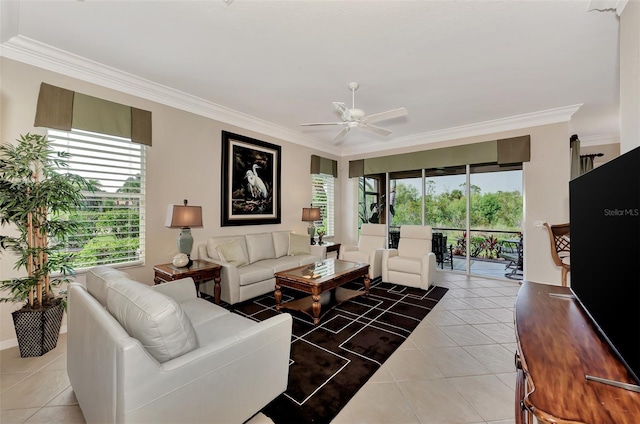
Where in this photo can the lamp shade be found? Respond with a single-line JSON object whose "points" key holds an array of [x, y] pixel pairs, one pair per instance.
{"points": [[311, 214], [183, 216]]}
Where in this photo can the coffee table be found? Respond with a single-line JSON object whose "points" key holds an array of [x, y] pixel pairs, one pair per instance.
{"points": [[322, 280]]}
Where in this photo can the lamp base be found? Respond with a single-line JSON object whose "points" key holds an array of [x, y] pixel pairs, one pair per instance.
{"points": [[185, 243], [312, 232]]}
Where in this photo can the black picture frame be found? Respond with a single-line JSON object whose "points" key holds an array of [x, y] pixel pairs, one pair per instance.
{"points": [[250, 181]]}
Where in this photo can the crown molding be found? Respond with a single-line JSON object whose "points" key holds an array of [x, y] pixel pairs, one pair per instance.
{"points": [[526, 120], [26, 50], [600, 139], [31, 52]]}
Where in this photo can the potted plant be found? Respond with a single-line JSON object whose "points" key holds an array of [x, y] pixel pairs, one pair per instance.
{"points": [[37, 198]]}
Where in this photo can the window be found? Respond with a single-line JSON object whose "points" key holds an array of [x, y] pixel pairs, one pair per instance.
{"points": [[372, 200], [322, 197], [112, 218]]}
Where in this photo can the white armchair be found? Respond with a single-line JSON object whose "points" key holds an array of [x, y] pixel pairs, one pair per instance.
{"points": [[369, 249], [412, 263]]}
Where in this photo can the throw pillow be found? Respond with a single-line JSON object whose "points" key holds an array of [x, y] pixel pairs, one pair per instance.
{"points": [[299, 244], [232, 252]]}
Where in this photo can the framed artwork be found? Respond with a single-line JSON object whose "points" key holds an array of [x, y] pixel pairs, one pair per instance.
{"points": [[250, 181]]}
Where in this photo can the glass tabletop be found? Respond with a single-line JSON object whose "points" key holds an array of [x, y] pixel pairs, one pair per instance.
{"points": [[322, 269]]}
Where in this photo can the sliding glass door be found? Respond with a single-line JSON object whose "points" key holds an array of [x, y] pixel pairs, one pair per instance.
{"points": [[474, 221], [495, 217]]}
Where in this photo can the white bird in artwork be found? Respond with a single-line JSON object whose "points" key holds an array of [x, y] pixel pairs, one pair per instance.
{"points": [[251, 183], [259, 184]]}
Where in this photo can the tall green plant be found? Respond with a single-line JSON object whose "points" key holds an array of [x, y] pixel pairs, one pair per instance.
{"points": [[37, 197]]}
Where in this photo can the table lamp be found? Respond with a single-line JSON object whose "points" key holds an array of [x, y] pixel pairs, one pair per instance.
{"points": [[310, 215], [184, 217]]}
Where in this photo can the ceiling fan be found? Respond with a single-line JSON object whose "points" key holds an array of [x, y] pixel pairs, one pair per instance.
{"points": [[356, 118]]}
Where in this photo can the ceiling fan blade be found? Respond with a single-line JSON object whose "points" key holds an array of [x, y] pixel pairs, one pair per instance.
{"points": [[340, 137], [394, 113], [322, 123], [343, 109], [375, 129]]}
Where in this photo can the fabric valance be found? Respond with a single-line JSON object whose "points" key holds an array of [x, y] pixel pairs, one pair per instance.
{"points": [[320, 165], [503, 152], [64, 109]]}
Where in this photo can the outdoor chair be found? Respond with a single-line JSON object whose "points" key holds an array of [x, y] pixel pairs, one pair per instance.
{"points": [[512, 251], [413, 263], [560, 243], [369, 249], [442, 252], [394, 237]]}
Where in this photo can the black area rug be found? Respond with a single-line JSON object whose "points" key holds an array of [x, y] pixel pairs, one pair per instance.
{"points": [[331, 361]]}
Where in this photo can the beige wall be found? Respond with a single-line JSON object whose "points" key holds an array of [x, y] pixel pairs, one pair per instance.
{"points": [[184, 162]]}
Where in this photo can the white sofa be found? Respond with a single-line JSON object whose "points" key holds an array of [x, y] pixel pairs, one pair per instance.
{"points": [[249, 261], [159, 354]]}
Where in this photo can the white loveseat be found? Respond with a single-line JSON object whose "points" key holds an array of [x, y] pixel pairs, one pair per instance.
{"points": [[249, 261], [159, 354]]}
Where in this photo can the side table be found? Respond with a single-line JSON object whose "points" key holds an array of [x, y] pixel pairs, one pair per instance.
{"points": [[331, 247], [200, 271]]}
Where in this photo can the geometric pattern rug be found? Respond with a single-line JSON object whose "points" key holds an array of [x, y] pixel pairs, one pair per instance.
{"points": [[331, 361]]}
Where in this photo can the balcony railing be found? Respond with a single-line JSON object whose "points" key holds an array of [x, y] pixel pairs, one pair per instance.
{"points": [[503, 247]]}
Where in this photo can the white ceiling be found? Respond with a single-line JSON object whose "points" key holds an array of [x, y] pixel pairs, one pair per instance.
{"points": [[459, 67]]}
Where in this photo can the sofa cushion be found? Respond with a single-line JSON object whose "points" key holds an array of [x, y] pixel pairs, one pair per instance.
{"points": [[405, 264], [254, 273], [289, 262], [156, 320], [213, 242], [99, 278], [281, 243], [356, 256], [199, 311], [232, 252], [222, 328], [299, 244], [260, 246]]}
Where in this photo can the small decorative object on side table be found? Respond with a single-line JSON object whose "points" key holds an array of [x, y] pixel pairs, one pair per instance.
{"points": [[200, 271]]}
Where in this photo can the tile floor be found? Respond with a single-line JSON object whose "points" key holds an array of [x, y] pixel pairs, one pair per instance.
{"points": [[456, 367]]}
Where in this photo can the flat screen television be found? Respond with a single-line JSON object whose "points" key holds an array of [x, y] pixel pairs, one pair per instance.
{"points": [[605, 255]]}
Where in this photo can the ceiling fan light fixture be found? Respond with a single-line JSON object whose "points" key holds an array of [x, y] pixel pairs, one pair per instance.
{"points": [[356, 118]]}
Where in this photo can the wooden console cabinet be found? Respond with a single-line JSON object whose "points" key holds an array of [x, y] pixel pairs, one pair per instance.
{"points": [[557, 347]]}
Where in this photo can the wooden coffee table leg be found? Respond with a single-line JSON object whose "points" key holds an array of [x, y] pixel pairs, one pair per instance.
{"points": [[316, 308], [278, 296], [367, 284], [216, 290]]}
